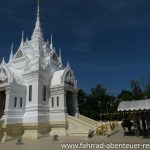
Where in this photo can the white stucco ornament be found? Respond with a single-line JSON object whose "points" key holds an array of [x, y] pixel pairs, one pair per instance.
{"points": [[69, 78], [27, 64], [3, 75]]}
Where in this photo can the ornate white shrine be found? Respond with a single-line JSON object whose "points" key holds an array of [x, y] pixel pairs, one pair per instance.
{"points": [[36, 91]]}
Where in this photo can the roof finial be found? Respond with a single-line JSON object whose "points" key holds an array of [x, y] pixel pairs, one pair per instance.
{"points": [[51, 44], [60, 52], [3, 61], [23, 36], [37, 33], [11, 53], [22, 41], [38, 9], [60, 58], [12, 47], [68, 64], [38, 15]]}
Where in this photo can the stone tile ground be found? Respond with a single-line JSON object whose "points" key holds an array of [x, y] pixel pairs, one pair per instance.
{"points": [[47, 143]]}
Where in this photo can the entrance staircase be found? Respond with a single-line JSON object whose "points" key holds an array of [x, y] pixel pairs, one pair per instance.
{"points": [[80, 126], [88, 120]]}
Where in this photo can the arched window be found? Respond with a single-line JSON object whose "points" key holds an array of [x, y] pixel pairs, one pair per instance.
{"points": [[19, 54]]}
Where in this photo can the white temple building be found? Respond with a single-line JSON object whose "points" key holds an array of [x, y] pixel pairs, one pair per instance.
{"points": [[38, 94]]}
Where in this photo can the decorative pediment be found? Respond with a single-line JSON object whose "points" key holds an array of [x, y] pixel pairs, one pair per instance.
{"points": [[19, 54], [54, 57], [69, 79], [3, 75]]}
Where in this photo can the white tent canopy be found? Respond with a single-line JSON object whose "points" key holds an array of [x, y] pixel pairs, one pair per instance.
{"points": [[134, 105]]}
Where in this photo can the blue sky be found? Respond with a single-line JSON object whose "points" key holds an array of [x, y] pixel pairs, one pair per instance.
{"points": [[105, 41]]}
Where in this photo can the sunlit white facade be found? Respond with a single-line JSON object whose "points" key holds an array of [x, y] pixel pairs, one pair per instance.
{"points": [[37, 91]]}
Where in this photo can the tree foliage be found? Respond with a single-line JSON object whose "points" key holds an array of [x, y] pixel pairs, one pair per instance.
{"points": [[147, 89], [125, 95], [136, 90], [99, 101]]}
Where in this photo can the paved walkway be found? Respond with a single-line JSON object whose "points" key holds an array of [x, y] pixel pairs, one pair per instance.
{"points": [[48, 143]]}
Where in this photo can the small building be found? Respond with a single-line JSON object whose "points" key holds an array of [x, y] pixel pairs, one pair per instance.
{"points": [[139, 112]]}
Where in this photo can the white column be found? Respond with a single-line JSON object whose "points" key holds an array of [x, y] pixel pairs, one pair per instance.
{"points": [[7, 105]]}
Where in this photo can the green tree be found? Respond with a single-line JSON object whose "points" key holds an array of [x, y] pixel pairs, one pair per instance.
{"points": [[147, 89], [82, 98], [99, 101], [136, 90], [125, 95]]}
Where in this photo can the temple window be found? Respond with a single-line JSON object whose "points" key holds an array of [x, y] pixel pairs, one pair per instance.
{"points": [[15, 102], [44, 93], [57, 101], [20, 102], [52, 101], [30, 93]]}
